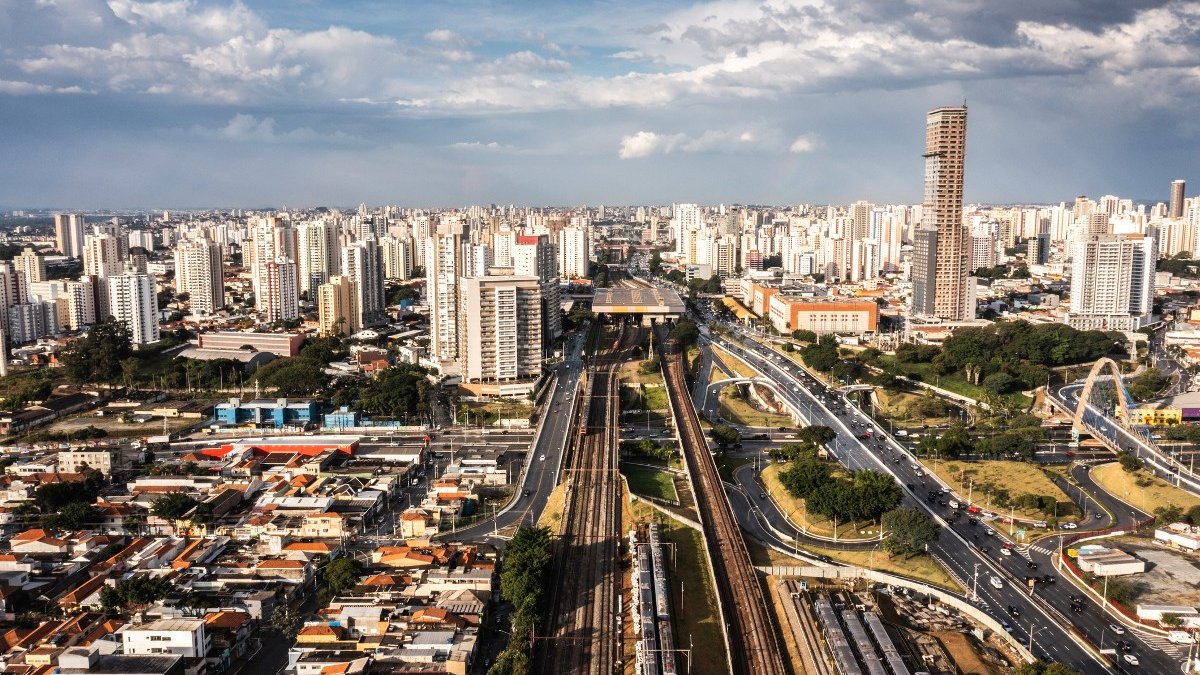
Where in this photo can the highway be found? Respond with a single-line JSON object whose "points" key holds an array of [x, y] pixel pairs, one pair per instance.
{"points": [[1042, 613], [545, 458]]}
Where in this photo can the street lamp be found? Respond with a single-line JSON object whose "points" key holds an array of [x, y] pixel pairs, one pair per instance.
{"points": [[1032, 630]]}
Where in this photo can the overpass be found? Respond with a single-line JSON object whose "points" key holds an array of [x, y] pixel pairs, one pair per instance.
{"points": [[1100, 407]]}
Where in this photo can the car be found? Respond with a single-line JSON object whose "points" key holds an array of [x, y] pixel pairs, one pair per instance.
{"points": [[996, 582], [528, 492], [1005, 551], [1131, 659], [1068, 526], [989, 531], [1077, 608], [1099, 516], [1115, 628], [762, 495], [972, 522], [1125, 645], [541, 458], [1031, 565], [1049, 578], [1014, 611]]}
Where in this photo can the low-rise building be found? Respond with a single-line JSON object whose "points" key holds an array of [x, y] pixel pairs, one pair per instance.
{"points": [[185, 637]]}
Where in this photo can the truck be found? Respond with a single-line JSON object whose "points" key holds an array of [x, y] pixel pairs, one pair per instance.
{"points": [[1180, 637]]}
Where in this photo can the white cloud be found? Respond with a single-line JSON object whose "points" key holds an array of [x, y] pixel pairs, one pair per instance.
{"points": [[244, 128], [646, 143], [803, 144], [477, 145]]}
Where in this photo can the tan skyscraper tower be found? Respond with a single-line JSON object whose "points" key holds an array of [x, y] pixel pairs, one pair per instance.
{"points": [[948, 293]]}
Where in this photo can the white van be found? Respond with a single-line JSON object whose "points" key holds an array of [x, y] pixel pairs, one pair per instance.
{"points": [[996, 583], [953, 503]]}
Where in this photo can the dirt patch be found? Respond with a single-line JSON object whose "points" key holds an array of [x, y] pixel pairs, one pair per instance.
{"points": [[1173, 577], [963, 653]]}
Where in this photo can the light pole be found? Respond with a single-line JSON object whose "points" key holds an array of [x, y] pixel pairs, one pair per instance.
{"points": [[1032, 630], [975, 584]]}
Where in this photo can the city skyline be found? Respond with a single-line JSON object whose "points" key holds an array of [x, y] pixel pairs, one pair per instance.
{"points": [[209, 104]]}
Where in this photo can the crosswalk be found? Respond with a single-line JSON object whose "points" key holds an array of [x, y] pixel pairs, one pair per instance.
{"points": [[1043, 550], [1162, 644]]}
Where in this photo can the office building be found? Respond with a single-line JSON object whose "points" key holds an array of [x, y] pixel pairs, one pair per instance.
{"points": [[198, 273], [1112, 282], [279, 297], [500, 328], [68, 234], [133, 302], [946, 294], [338, 310], [362, 261], [1175, 210], [842, 317]]}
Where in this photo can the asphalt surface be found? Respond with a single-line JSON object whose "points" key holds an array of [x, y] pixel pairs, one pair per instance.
{"points": [[963, 548], [545, 459]]}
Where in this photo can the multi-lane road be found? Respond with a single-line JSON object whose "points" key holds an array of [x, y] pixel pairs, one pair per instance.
{"points": [[1040, 616]]}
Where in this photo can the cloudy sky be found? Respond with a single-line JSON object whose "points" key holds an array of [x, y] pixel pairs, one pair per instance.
{"points": [[196, 103]]}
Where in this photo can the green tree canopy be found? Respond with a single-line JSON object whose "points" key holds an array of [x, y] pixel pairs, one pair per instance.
{"points": [[398, 390], [97, 356], [343, 574], [908, 531], [173, 505]]}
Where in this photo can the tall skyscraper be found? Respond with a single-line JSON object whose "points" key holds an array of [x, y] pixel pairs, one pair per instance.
{"points": [[132, 300], [1112, 282], [337, 306], [1177, 193], [924, 271], [500, 328], [397, 259], [362, 261], [535, 256], [198, 273], [101, 255], [317, 244], [942, 212], [68, 234], [443, 266]]}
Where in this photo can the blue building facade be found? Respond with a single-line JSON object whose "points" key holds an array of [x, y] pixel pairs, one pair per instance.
{"points": [[274, 413]]}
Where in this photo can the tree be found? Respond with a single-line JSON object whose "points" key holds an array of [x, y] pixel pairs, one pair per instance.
{"points": [[54, 496], [398, 390], [725, 436], [285, 620], [804, 335], [138, 591], [1044, 668], [874, 493], [97, 356], [343, 574], [1168, 514], [73, 516], [1171, 620], [908, 531], [1128, 461], [685, 332], [821, 355], [173, 505], [802, 477]]}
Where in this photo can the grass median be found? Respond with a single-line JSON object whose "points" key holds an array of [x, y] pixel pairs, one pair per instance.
{"points": [[644, 480], [1015, 478], [1140, 489]]}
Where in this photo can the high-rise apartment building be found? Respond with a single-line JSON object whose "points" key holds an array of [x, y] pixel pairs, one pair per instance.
{"points": [[1175, 210], [318, 250], [132, 301], [278, 298], [101, 255], [500, 328], [924, 271], [947, 293], [337, 306], [362, 261], [443, 266], [1112, 282], [574, 253], [198, 273], [535, 256], [68, 234], [397, 260]]}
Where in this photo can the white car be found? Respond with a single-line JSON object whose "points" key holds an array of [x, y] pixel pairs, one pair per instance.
{"points": [[541, 458], [1005, 551], [989, 531], [996, 582], [1131, 659], [1069, 526], [1119, 630]]}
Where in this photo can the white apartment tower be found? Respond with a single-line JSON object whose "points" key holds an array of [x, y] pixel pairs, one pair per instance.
{"points": [[198, 273], [317, 244], [443, 266], [397, 260], [68, 234], [279, 298], [362, 261], [535, 256], [1112, 282], [574, 253], [132, 300], [500, 328]]}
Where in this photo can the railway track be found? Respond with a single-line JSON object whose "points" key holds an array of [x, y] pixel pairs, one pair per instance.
{"points": [[584, 630], [752, 641]]}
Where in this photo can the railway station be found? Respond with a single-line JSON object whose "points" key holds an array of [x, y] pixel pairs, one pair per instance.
{"points": [[648, 303]]}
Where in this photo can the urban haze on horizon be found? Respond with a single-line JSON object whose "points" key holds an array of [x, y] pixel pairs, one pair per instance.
{"points": [[202, 104]]}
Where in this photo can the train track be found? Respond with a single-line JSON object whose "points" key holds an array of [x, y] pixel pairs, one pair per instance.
{"points": [[584, 628], [753, 644]]}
